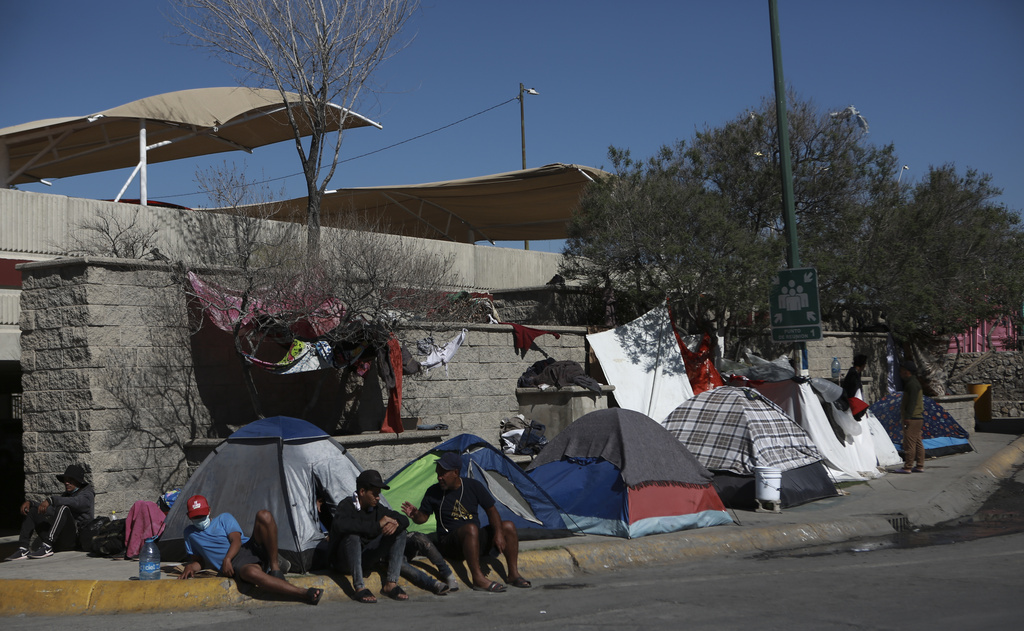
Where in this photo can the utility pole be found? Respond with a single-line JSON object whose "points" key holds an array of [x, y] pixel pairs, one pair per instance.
{"points": [[785, 161]]}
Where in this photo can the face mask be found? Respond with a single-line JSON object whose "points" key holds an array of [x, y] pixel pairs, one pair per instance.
{"points": [[201, 523]]}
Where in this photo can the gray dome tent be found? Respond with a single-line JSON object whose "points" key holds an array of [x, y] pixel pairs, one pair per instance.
{"points": [[278, 464]]}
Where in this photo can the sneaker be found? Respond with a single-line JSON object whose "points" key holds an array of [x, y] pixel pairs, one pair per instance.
{"points": [[452, 581], [20, 553], [43, 551]]}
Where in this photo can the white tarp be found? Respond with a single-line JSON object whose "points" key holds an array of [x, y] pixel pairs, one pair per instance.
{"points": [[642, 360], [846, 460]]}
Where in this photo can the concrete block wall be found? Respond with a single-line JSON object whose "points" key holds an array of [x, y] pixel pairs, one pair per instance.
{"points": [[478, 389], [105, 379], [114, 380]]}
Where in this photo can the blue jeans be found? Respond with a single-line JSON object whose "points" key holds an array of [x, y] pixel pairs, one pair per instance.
{"points": [[353, 555]]}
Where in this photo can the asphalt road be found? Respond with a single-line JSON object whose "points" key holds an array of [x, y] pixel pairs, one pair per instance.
{"points": [[971, 585]]}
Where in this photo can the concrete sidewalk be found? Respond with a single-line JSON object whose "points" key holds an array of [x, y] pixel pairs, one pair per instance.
{"points": [[952, 486]]}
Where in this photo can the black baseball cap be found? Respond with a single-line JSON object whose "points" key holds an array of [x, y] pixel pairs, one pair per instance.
{"points": [[370, 478]]}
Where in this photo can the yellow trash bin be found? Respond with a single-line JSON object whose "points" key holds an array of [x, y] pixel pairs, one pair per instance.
{"points": [[982, 401]]}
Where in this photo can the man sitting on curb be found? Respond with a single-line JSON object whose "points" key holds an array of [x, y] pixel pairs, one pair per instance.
{"points": [[365, 532], [218, 542], [455, 501], [57, 518]]}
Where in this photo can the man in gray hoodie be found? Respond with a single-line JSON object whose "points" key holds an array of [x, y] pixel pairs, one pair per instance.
{"points": [[57, 518]]}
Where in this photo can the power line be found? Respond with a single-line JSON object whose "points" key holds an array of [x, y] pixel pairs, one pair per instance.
{"points": [[369, 153]]}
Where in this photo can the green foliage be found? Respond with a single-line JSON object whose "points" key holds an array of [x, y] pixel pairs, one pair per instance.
{"points": [[947, 258], [702, 224]]}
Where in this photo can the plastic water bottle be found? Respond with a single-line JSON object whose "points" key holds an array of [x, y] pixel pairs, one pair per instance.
{"points": [[149, 561], [113, 515], [836, 368]]}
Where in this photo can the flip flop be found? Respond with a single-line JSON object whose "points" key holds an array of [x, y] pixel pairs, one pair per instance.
{"points": [[396, 594], [313, 595], [365, 596], [494, 588], [440, 588], [520, 582]]}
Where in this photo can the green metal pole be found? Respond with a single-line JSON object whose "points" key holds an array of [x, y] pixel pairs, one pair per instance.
{"points": [[785, 161]]}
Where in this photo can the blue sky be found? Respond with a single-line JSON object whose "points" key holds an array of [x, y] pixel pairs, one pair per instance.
{"points": [[940, 79]]}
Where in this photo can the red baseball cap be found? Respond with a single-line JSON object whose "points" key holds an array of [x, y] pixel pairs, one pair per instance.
{"points": [[198, 507]]}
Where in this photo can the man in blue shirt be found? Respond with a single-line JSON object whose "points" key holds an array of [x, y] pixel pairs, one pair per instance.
{"points": [[455, 501], [218, 542]]}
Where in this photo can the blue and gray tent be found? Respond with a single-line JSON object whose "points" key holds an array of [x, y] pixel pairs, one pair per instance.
{"points": [[279, 464], [519, 499]]}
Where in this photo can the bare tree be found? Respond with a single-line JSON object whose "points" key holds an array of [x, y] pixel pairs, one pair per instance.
{"points": [[323, 51], [122, 235], [359, 292]]}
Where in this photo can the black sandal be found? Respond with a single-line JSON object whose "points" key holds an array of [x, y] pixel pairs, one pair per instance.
{"points": [[365, 596], [396, 593], [313, 595]]}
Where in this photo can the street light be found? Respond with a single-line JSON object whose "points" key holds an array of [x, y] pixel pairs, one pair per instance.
{"points": [[522, 127], [522, 116], [905, 167]]}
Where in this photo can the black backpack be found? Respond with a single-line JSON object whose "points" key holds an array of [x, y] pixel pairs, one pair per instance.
{"points": [[109, 540], [88, 531]]}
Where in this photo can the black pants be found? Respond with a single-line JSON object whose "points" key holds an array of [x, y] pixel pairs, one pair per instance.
{"points": [[55, 526]]}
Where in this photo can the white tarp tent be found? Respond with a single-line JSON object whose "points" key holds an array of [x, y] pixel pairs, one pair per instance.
{"points": [[852, 457], [642, 360]]}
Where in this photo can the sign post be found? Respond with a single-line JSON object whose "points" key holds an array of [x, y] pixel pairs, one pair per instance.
{"points": [[793, 305]]}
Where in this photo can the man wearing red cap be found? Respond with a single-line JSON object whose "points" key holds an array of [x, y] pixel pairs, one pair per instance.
{"points": [[218, 542]]}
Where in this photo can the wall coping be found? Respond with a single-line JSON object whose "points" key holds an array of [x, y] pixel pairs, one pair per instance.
{"points": [[366, 439], [954, 398], [565, 390]]}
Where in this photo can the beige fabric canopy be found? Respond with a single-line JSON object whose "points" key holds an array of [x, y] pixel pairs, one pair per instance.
{"points": [[175, 125], [519, 205]]}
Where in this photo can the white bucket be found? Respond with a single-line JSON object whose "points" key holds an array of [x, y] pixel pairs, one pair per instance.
{"points": [[767, 483]]}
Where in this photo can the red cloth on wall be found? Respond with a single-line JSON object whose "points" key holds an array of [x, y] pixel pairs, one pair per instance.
{"points": [[393, 415], [523, 336]]}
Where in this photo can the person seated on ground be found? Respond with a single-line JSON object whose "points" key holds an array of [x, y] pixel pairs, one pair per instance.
{"points": [[419, 544], [57, 518], [455, 502], [218, 542], [363, 533]]}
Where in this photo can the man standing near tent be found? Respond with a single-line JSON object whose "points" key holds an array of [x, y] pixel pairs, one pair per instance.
{"points": [[912, 416], [455, 501], [364, 532], [218, 542], [56, 518]]}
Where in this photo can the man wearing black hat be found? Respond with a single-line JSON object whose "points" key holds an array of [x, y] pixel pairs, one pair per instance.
{"points": [[365, 532], [56, 518], [455, 500]]}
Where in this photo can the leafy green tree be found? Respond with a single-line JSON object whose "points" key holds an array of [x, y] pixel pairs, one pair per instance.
{"points": [[649, 233], [948, 258], [837, 177]]}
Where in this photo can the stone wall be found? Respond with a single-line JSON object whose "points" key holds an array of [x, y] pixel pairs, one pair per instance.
{"points": [[114, 378], [106, 378], [1003, 370]]}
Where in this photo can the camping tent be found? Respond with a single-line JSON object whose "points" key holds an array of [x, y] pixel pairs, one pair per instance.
{"points": [[847, 447], [276, 464], [731, 430], [642, 360], [518, 498], [617, 472], [941, 434]]}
